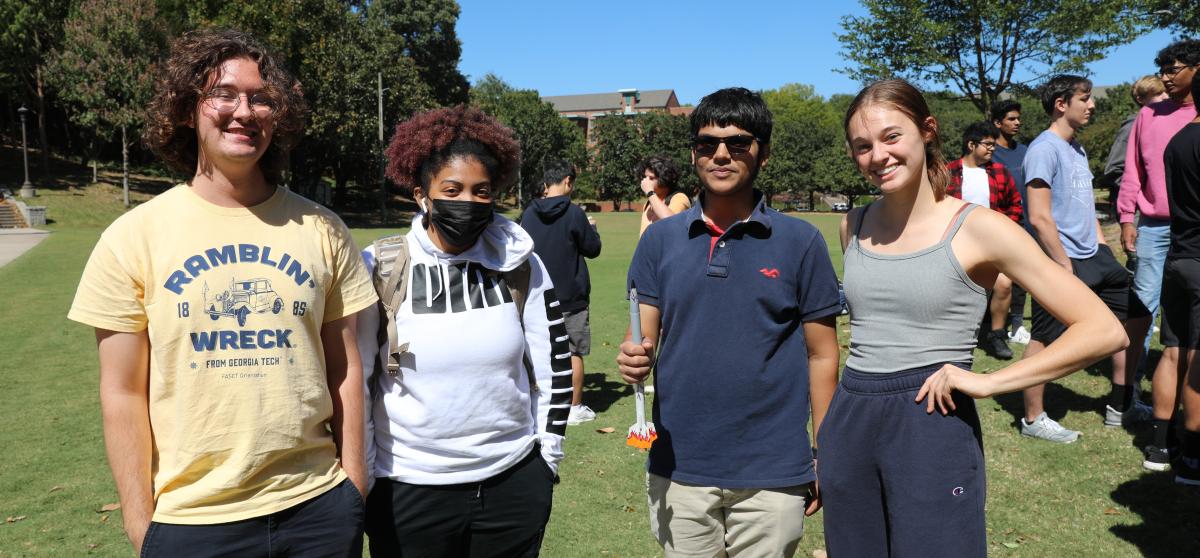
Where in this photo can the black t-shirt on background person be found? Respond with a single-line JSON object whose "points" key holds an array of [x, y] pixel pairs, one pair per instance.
{"points": [[1182, 158]]}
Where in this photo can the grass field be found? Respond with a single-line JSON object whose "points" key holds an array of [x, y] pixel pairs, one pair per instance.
{"points": [[1089, 499]]}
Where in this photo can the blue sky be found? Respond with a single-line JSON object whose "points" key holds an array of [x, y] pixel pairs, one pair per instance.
{"points": [[567, 46]]}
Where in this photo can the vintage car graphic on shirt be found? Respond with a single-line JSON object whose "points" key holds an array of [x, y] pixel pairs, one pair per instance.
{"points": [[242, 298]]}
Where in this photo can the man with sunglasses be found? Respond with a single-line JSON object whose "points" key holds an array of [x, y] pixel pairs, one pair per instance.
{"points": [[739, 302], [230, 382], [977, 179], [1145, 216]]}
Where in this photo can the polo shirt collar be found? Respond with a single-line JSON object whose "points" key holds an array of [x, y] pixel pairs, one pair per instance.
{"points": [[758, 216]]}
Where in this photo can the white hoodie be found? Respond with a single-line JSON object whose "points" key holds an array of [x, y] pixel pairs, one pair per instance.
{"points": [[461, 408]]}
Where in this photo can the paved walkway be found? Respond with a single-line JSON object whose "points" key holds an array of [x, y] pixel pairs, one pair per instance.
{"points": [[14, 242]]}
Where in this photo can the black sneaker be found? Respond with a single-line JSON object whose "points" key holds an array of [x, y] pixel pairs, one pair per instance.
{"points": [[1187, 471], [995, 344], [1157, 459]]}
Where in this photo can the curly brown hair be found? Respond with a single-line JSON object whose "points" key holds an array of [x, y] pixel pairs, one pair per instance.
{"points": [[425, 143], [195, 60], [664, 169]]}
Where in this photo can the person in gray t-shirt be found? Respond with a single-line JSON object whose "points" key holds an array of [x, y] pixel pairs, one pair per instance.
{"points": [[1062, 167], [1062, 211]]}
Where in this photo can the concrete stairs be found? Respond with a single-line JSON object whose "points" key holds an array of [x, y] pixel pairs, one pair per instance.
{"points": [[10, 216]]}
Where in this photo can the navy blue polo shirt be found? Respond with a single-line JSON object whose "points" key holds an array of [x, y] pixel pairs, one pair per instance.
{"points": [[731, 382]]}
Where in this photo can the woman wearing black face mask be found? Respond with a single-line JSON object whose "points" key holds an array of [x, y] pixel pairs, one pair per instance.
{"points": [[465, 431]]}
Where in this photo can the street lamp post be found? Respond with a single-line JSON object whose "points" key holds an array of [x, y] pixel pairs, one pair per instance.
{"points": [[27, 189]]}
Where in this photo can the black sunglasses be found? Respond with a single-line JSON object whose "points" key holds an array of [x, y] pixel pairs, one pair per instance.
{"points": [[707, 145]]}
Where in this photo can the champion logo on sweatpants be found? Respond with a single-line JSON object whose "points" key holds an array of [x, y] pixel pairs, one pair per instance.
{"points": [[958, 491], [772, 273]]}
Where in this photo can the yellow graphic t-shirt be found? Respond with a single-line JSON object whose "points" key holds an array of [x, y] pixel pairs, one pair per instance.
{"points": [[234, 300]]}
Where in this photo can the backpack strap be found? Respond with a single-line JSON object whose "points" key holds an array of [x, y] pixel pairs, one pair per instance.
{"points": [[391, 284]]}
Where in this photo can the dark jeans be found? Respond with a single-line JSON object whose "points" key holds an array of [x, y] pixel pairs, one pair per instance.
{"points": [[329, 525], [504, 516]]}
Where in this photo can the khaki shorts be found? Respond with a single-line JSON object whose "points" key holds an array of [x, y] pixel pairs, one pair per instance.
{"points": [[690, 520]]}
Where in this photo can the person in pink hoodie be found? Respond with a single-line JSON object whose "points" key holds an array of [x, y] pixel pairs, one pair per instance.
{"points": [[1143, 195]]}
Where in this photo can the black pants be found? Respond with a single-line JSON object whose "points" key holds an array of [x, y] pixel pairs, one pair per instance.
{"points": [[896, 481], [504, 516], [328, 526], [1016, 311]]}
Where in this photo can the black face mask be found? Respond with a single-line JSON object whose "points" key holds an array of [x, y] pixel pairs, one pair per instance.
{"points": [[459, 222]]}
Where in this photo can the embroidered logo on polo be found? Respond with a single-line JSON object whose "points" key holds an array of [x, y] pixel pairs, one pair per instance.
{"points": [[243, 294], [771, 273]]}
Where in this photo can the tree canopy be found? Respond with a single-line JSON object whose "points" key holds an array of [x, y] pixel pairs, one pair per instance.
{"points": [[544, 136], [984, 49]]}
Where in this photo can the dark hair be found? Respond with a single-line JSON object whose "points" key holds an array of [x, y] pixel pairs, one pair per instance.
{"points": [[1195, 82], [734, 106], [904, 97], [194, 64], [556, 171], [1062, 86], [1186, 51], [1001, 108], [422, 145], [976, 132], [664, 168]]}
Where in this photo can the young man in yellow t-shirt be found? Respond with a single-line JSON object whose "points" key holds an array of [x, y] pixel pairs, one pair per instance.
{"points": [[660, 175], [230, 382]]}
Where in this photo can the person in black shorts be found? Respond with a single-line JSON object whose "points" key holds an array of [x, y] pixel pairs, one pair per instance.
{"points": [[1181, 296], [1062, 210]]}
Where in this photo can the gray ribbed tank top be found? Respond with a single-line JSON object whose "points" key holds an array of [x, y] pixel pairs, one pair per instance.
{"points": [[910, 310]]}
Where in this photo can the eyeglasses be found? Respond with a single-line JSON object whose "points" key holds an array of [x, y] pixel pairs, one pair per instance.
{"points": [[226, 101], [989, 145], [706, 146], [1173, 70]]}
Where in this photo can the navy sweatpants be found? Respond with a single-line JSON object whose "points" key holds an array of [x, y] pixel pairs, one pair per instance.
{"points": [[896, 481]]}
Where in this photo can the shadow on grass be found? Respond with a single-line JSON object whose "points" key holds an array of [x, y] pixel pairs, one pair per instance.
{"points": [[1168, 512], [1058, 401], [600, 392]]}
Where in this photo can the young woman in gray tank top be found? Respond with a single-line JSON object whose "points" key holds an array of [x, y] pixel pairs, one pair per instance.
{"points": [[901, 466]]}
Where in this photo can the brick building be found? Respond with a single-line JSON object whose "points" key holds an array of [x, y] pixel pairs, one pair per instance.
{"points": [[582, 109]]}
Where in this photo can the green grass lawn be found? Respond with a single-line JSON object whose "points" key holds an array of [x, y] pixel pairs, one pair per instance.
{"points": [[1090, 498]]}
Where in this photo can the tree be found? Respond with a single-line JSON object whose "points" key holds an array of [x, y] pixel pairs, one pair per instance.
{"points": [[979, 48], [105, 66], [663, 133], [543, 134], [805, 127], [29, 31], [1182, 16], [616, 153], [429, 39]]}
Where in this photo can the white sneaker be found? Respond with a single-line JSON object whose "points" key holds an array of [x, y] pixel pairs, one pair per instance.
{"points": [[1021, 335], [580, 413], [1137, 413], [1046, 428]]}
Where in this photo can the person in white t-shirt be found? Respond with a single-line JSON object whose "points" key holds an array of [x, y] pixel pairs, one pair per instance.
{"points": [[468, 431], [977, 179]]}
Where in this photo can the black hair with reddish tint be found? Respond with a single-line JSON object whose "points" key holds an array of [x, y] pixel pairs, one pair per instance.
{"points": [[422, 145]]}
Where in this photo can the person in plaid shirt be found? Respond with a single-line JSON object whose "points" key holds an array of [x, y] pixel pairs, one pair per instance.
{"points": [[977, 179]]}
